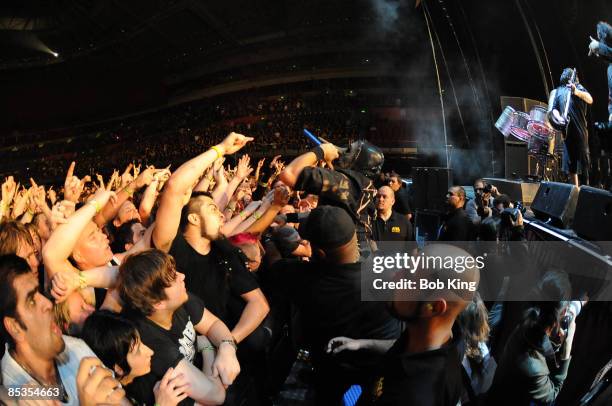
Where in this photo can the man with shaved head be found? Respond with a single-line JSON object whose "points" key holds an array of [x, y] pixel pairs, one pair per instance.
{"points": [[389, 224], [423, 367], [456, 226]]}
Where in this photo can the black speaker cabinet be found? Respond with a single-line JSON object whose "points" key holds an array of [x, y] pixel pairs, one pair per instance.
{"points": [[430, 186], [517, 191], [516, 160], [556, 202], [593, 219]]}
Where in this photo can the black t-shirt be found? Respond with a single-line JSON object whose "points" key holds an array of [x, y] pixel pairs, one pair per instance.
{"points": [[431, 378], [170, 347], [457, 227], [219, 278], [395, 228], [329, 299]]}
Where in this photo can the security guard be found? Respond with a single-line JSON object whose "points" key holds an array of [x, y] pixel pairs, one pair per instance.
{"points": [[389, 224]]}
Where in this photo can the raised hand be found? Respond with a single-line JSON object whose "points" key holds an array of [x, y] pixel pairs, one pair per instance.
{"points": [[126, 177], [218, 170], [9, 188], [113, 180], [233, 143], [330, 153], [21, 202], [281, 196], [273, 162], [60, 213], [73, 186], [103, 196], [145, 177], [243, 169], [52, 195]]}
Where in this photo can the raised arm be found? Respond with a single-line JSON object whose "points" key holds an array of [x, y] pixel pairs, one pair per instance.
{"points": [[180, 184], [325, 152], [242, 172], [582, 94], [64, 238], [281, 198]]}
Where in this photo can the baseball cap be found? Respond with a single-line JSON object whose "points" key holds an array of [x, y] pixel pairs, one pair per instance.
{"points": [[286, 239], [328, 227]]}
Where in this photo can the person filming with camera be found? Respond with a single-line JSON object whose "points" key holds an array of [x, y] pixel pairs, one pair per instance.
{"points": [[536, 358], [480, 206]]}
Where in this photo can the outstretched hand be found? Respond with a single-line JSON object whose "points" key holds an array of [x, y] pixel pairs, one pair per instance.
{"points": [[234, 143], [338, 344]]}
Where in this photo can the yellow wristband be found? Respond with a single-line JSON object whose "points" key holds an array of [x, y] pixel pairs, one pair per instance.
{"points": [[82, 281], [95, 204], [256, 216], [216, 149], [129, 191]]}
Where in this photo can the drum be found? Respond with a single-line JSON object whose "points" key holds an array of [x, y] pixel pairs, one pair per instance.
{"points": [[541, 146], [538, 125], [519, 126], [505, 121]]}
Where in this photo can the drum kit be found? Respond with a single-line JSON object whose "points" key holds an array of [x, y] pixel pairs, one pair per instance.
{"points": [[543, 141]]}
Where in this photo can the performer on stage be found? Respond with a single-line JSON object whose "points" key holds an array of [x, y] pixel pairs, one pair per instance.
{"points": [[575, 134], [602, 47]]}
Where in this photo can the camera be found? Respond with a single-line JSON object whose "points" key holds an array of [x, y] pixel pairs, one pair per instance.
{"points": [[574, 309], [510, 215]]}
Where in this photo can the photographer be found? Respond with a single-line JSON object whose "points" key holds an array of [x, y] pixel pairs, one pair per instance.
{"points": [[536, 358], [479, 208], [511, 219]]}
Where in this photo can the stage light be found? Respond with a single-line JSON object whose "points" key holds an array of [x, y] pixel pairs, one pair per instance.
{"points": [[55, 54]]}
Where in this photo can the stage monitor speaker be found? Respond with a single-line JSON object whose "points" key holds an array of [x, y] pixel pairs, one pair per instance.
{"points": [[516, 160], [517, 191], [593, 219], [556, 203], [430, 186]]}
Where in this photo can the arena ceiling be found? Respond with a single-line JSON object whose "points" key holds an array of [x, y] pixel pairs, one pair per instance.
{"points": [[172, 32], [110, 50]]}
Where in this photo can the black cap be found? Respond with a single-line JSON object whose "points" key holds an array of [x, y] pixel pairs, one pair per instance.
{"points": [[328, 227], [286, 239]]}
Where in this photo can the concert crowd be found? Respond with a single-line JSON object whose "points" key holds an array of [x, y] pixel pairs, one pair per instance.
{"points": [[194, 273], [209, 282]]}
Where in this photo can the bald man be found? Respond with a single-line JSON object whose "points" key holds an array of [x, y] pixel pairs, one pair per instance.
{"points": [[389, 224], [423, 367]]}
